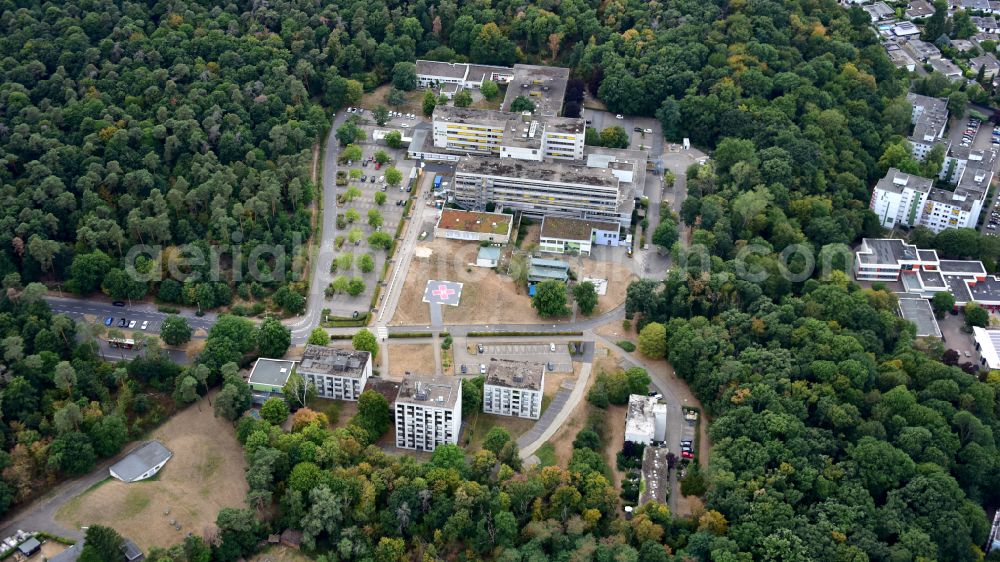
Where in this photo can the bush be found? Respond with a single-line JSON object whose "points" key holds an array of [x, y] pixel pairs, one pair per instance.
{"points": [[626, 345]]}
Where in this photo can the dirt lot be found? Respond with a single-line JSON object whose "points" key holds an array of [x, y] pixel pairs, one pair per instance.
{"points": [[618, 277], [377, 97], [205, 474], [415, 358], [531, 236], [487, 297]]}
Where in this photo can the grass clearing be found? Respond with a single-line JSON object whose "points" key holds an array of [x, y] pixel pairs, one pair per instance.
{"points": [[474, 431], [546, 455], [417, 358], [205, 475]]}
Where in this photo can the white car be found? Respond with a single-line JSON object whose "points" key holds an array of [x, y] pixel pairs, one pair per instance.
{"points": [[619, 116], [381, 179], [404, 125], [552, 347], [131, 324], [647, 131], [482, 368], [145, 324]]}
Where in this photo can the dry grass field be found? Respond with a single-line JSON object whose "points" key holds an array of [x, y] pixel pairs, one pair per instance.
{"points": [[417, 358], [205, 474]]}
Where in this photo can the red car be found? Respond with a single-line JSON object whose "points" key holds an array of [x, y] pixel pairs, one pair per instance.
{"points": [[687, 455], [377, 166]]}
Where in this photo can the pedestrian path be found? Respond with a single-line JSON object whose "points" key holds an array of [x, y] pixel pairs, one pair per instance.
{"points": [[555, 415]]}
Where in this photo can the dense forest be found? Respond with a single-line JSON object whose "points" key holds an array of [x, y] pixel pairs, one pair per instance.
{"points": [[180, 123]]}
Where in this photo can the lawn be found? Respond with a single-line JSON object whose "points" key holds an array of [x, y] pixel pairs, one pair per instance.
{"points": [[475, 429]]}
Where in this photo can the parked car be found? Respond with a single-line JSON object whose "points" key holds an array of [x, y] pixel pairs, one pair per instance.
{"points": [[363, 178], [482, 368], [637, 129], [108, 321], [145, 323], [118, 303], [619, 116], [465, 369], [123, 323], [131, 324], [372, 180], [552, 347], [687, 455]]}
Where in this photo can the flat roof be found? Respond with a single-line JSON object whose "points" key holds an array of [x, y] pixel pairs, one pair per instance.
{"points": [[986, 291], [547, 263], [551, 172], [640, 417], [271, 372], [515, 374], [961, 266], [931, 279], [545, 86], [431, 392], [141, 460], [322, 360], [920, 313], [488, 253], [895, 181], [655, 475], [471, 221], [443, 69], [988, 344], [574, 229], [886, 251]]}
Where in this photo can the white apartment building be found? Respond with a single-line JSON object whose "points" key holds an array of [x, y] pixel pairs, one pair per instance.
{"points": [[514, 388], [543, 188], [562, 235], [340, 374], [899, 198], [508, 135], [428, 412], [929, 118], [646, 420]]}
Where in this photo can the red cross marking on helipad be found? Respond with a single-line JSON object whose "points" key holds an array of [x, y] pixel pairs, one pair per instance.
{"points": [[443, 292]]}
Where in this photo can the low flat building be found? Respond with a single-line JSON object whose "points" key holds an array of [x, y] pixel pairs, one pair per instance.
{"points": [[340, 374], [919, 9], [879, 11], [488, 256], [919, 312], [922, 50], [905, 29], [545, 86], [902, 59], [562, 235], [422, 148], [987, 24], [655, 476], [142, 462], [987, 347], [923, 274], [646, 420], [268, 377], [988, 62], [452, 77], [428, 412], [547, 270], [514, 388], [456, 224], [946, 67]]}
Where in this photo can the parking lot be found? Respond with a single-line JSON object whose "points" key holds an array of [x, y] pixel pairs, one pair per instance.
{"points": [[475, 355], [368, 176], [133, 323]]}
